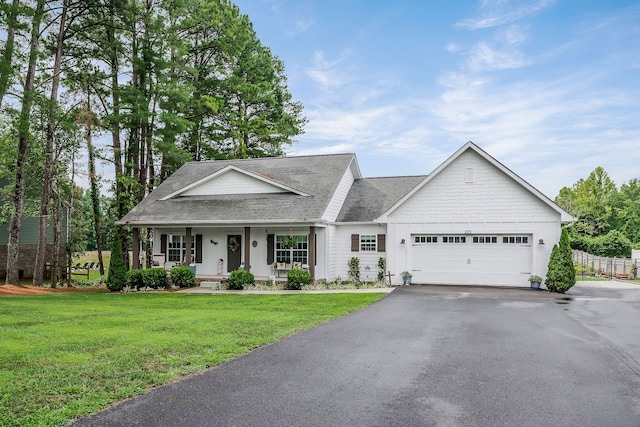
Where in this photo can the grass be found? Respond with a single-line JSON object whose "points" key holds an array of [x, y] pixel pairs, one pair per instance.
{"points": [[590, 278], [70, 354]]}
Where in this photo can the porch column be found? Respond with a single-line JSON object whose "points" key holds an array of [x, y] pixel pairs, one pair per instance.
{"points": [[312, 252], [136, 248], [247, 249], [188, 240]]}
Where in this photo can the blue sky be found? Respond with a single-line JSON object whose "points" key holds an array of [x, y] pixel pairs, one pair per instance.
{"points": [[550, 88]]}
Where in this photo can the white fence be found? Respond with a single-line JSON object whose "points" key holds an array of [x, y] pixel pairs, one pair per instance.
{"points": [[603, 266]]}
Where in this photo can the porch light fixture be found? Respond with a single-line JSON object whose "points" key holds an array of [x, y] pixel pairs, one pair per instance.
{"points": [[541, 242], [402, 242], [215, 243]]}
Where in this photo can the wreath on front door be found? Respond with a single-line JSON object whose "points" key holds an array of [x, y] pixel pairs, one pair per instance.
{"points": [[234, 245]]}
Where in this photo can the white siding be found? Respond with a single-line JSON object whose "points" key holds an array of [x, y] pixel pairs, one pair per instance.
{"points": [[342, 252], [233, 182], [339, 196], [471, 196], [491, 197], [330, 252]]}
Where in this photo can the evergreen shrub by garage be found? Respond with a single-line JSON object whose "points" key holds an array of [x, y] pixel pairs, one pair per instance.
{"points": [[182, 277], [238, 278], [134, 279], [298, 277], [561, 274], [155, 278]]}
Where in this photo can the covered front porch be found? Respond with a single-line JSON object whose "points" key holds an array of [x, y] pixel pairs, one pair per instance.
{"points": [[268, 251]]}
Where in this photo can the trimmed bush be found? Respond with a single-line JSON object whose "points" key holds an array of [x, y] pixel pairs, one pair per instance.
{"points": [[561, 274], [117, 277], [155, 278], [182, 277], [134, 279], [238, 278], [614, 244], [297, 278]]}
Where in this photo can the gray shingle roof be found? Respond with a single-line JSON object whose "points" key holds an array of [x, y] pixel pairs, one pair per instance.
{"points": [[317, 176], [371, 197]]}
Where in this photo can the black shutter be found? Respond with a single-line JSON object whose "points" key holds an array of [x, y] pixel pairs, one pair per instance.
{"points": [[382, 242], [163, 243], [355, 243], [270, 248], [199, 248]]}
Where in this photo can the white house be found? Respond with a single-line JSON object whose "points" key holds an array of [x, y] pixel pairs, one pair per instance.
{"points": [[471, 221]]}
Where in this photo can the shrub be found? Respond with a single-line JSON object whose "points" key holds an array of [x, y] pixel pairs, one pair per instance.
{"points": [[155, 278], [116, 279], [297, 277], [134, 279], [183, 277], [238, 278], [354, 268], [382, 269], [561, 274], [614, 244]]}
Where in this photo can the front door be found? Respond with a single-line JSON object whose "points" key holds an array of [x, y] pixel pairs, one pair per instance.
{"points": [[234, 252]]}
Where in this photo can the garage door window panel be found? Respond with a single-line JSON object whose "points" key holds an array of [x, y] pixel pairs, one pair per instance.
{"points": [[515, 240], [485, 239], [425, 239], [454, 239]]}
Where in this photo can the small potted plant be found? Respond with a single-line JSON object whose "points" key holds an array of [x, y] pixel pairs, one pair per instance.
{"points": [[535, 281], [406, 277]]}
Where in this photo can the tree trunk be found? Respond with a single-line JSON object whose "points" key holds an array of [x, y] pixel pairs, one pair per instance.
{"points": [[57, 232], [95, 193], [13, 246], [38, 274], [115, 119], [6, 67]]}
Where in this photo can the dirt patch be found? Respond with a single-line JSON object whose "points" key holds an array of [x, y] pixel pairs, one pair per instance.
{"points": [[6, 290]]}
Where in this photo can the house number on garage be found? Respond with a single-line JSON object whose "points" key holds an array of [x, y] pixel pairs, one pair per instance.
{"points": [[467, 231]]}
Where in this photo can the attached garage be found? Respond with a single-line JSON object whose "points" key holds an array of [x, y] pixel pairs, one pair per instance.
{"points": [[472, 221], [471, 259]]}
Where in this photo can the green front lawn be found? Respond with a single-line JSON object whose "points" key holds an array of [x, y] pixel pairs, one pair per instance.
{"points": [[69, 354]]}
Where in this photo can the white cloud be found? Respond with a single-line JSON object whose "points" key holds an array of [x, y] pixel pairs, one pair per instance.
{"points": [[452, 47], [485, 58], [511, 36], [300, 26], [326, 72], [499, 12], [534, 125]]}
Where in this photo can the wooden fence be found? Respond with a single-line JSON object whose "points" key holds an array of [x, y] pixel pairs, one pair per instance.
{"points": [[602, 266]]}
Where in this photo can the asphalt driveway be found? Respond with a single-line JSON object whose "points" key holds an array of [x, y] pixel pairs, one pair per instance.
{"points": [[426, 356]]}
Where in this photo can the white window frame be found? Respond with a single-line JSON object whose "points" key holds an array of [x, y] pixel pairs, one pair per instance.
{"points": [[177, 248], [368, 243], [298, 253]]}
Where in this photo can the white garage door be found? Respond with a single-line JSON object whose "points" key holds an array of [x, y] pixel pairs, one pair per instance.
{"points": [[471, 259]]}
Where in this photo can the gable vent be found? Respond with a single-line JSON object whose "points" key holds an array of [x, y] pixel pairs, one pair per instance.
{"points": [[468, 175]]}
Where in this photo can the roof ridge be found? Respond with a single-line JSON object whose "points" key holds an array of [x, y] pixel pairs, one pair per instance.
{"points": [[267, 158]]}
